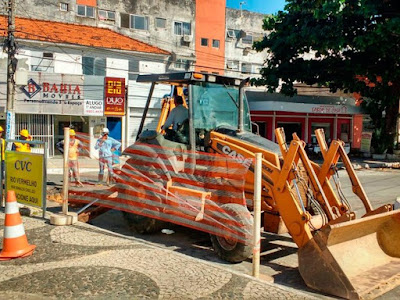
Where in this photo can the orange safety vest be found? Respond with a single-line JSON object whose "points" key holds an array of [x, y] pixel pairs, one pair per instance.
{"points": [[73, 150], [22, 147]]}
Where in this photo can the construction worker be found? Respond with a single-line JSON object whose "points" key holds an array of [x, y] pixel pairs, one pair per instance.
{"points": [[23, 147], [3, 150], [106, 146], [73, 153]]}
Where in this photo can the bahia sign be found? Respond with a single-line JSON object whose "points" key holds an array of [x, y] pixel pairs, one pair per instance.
{"points": [[114, 101], [51, 93]]}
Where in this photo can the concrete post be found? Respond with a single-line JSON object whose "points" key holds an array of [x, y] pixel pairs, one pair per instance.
{"points": [[65, 172], [257, 215], [65, 218]]}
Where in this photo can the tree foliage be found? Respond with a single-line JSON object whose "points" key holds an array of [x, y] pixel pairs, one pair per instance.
{"points": [[351, 45]]}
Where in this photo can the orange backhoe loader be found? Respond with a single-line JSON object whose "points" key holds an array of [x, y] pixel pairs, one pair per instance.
{"points": [[338, 254]]}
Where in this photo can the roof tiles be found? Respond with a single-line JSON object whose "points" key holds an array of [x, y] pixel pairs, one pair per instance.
{"points": [[65, 33]]}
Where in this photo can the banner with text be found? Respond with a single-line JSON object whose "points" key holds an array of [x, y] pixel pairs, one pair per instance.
{"points": [[50, 93]]}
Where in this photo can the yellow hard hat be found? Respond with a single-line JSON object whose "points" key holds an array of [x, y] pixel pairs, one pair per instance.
{"points": [[71, 132], [24, 132], [1, 129]]}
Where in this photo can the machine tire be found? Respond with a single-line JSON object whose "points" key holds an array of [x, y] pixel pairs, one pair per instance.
{"points": [[234, 251], [143, 225]]}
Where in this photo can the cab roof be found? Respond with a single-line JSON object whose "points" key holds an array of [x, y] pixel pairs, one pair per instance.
{"points": [[189, 77]]}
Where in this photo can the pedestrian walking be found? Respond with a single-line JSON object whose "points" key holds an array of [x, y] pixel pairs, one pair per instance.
{"points": [[106, 146], [23, 147], [73, 153]]}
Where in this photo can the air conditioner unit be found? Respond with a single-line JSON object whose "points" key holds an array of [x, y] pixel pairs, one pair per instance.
{"points": [[187, 38]]}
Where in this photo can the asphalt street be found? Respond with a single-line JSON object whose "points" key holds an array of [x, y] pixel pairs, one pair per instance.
{"points": [[81, 261], [279, 263]]}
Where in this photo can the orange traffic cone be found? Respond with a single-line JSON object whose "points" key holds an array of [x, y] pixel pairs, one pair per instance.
{"points": [[15, 243]]}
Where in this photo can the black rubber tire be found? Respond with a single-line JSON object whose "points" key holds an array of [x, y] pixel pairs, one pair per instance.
{"points": [[143, 225], [237, 252]]}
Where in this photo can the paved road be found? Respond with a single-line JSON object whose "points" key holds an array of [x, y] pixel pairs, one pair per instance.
{"points": [[279, 254], [81, 261]]}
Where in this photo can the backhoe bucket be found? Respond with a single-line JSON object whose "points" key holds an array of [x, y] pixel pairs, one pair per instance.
{"points": [[358, 259]]}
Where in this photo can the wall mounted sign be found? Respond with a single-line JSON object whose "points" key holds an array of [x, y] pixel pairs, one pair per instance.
{"points": [[114, 96]]}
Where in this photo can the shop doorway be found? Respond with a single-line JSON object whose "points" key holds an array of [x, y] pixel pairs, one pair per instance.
{"points": [[115, 127], [260, 128], [78, 123], [291, 128], [40, 127], [343, 130]]}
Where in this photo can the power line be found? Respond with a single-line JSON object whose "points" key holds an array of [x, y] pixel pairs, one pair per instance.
{"points": [[137, 55], [217, 57], [120, 54]]}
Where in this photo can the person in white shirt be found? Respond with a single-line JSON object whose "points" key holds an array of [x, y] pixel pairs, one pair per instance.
{"points": [[177, 115]]}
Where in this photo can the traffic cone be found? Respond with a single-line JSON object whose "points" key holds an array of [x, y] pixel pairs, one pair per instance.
{"points": [[15, 243]]}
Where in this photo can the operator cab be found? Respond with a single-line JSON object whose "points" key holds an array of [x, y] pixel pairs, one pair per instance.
{"points": [[213, 103]]}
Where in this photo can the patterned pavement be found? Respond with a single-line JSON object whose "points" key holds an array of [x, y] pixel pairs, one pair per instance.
{"points": [[82, 262]]}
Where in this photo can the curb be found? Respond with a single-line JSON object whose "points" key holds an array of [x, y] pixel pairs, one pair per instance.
{"points": [[377, 165]]}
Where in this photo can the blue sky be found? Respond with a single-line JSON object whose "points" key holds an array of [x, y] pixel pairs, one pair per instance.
{"points": [[261, 6]]}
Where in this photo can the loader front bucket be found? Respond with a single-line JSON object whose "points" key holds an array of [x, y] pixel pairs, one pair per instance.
{"points": [[358, 259]]}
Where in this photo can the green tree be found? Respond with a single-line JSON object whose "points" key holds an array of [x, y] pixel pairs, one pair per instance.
{"points": [[350, 45]]}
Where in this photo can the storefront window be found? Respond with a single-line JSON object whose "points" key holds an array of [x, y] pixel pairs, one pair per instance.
{"points": [[325, 126]]}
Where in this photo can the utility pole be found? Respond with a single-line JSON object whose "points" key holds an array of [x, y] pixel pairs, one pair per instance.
{"points": [[11, 67]]}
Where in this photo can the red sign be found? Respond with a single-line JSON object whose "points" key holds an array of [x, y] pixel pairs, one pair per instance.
{"points": [[114, 102]]}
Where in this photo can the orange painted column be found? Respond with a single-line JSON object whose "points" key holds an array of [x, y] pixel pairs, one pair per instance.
{"points": [[210, 26], [357, 129], [87, 2]]}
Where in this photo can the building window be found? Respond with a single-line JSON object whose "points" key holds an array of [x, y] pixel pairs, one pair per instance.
{"points": [[42, 62], [161, 23], [233, 65], [106, 15], [215, 44], [230, 33], [139, 22], [248, 39], [204, 42], [251, 68], [93, 66], [182, 64], [133, 70], [246, 68], [182, 28], [85, 11], [234, 33], [63, 6]]}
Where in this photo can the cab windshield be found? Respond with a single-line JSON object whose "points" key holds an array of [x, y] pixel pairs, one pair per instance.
{"points": [[216, 105]]}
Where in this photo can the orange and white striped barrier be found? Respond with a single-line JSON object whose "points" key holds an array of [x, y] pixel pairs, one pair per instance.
{"points": [[178, 186], [15, 242]]}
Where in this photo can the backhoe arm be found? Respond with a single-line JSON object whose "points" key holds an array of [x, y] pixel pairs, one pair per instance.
{"points": [[331, 157], [275, 183]]}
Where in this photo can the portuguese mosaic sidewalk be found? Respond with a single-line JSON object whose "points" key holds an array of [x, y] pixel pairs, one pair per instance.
{"points": [[84, 262]]}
